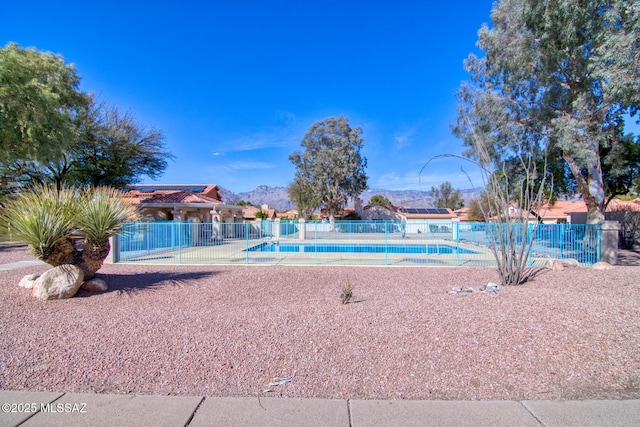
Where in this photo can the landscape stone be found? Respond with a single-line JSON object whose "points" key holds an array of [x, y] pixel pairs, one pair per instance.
{"points": [[602, 266], [95, 285], [27, 281], [570, 262], [555, 265], [60, 282], [488, 288]]}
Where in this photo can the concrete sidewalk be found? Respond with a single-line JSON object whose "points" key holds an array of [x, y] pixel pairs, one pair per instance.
{"points": [[20, 408], [19, 264]]}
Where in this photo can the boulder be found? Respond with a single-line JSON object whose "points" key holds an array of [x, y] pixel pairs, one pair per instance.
{"points": [[570, 262], [95, 285], [27, 281], [555, 265], [60, 282], [602, 266]]}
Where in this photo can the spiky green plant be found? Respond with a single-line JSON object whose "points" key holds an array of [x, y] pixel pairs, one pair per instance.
{"points": [[347, 293], [42, 218], [50, 222], [101, 212]]}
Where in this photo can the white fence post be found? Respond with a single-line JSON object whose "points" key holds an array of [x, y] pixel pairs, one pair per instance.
{"points": [[276, 228], [302, 229]]}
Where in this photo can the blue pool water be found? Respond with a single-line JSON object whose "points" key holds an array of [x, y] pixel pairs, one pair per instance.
{"points": [[370, 248]]}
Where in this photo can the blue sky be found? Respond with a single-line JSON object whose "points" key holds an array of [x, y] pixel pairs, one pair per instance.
{"points": [[234, 85]]}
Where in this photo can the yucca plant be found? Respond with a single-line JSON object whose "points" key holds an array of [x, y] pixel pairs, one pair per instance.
{"points": [[43, 218], [51, 221], [101, 213]]}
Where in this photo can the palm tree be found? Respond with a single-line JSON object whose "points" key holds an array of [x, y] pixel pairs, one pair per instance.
{"points": [[70, 226]]}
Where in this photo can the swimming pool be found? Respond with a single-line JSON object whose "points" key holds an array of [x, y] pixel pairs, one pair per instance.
{"points": [[367, 248]]}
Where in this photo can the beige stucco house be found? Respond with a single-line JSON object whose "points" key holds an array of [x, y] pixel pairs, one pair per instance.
{"points": [[181, 202]]}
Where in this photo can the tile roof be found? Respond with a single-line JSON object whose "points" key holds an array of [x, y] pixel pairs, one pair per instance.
{"points": [[249, 212], [179, 197], [290, 214], [139, 192], [562, 208]]}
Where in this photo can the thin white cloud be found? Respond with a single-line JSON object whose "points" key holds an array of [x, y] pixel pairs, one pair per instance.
{"points": [[237, 166], [250, 143], [278, 138], [403, 139], [424, 182], [395, 181], [285, 132]]}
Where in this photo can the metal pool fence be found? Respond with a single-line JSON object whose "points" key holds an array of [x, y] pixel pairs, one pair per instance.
{"points": [[350, 243]]}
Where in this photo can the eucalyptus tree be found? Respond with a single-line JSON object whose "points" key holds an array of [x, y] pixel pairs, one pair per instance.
{"points": [[559, 77], [331, 164]]}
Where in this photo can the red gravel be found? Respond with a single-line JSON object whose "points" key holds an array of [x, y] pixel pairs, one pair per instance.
{"points": [[227, 331]]}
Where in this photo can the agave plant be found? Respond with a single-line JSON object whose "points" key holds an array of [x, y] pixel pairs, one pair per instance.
{"points": [[69, 226]]}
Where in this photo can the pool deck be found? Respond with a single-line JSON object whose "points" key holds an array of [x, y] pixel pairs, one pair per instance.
{"points": [[235, 252]]}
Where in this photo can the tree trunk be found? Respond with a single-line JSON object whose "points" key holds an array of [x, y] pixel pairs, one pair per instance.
{"points": [[591, 188], [93, 256], [63, 252]]}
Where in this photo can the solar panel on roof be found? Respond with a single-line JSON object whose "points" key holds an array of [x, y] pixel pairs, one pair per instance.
{"points": [[425, 211], [152, 188]]}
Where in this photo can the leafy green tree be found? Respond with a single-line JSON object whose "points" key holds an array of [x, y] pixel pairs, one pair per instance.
{"points": [[115, 150], [262, 214], [477, 208], [447, 197], [559, 77], [378, 199], [621, 167], [302, 195], [39, 103], [51, 132], [111, 149], [331, 164]]}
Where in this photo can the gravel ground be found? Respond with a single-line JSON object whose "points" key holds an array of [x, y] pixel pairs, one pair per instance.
{"points": [[227, 331]]}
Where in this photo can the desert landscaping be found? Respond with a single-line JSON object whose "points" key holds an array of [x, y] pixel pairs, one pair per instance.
{"points": [[229, 330]]}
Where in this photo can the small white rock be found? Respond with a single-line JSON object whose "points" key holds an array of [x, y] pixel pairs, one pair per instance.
{"points": [[27, 281]]}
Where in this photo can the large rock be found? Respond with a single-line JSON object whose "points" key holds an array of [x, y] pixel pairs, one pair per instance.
{"points": [[60, 282], [95, 285]]}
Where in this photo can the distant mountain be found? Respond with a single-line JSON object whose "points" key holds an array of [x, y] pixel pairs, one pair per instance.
{"points": [[278, 198]]}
